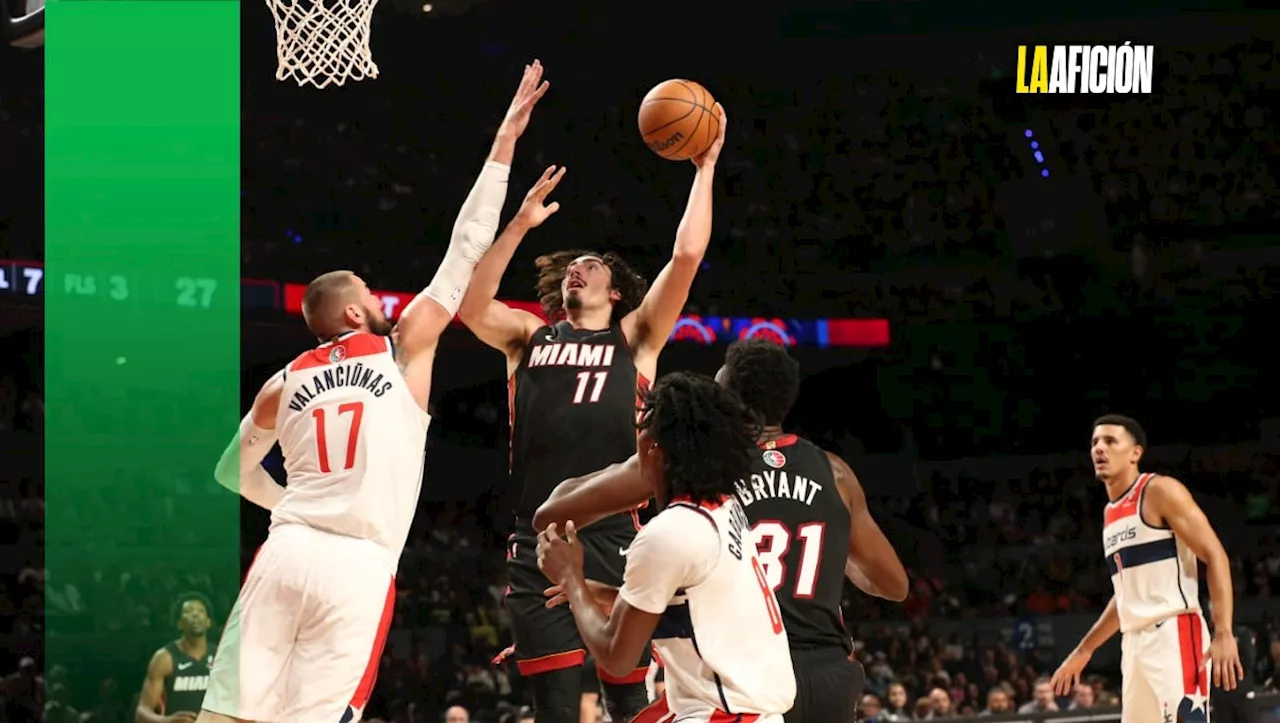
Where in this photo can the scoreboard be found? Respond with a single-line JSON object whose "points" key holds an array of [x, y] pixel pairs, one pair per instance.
{"points": [[27, 280]]}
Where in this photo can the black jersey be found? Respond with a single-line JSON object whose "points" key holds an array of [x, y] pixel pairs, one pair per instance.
{"points": [[184, 690], [802, 530], [573, 402]]}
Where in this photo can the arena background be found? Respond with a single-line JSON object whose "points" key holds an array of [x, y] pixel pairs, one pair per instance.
{"points": [[877, 178]]}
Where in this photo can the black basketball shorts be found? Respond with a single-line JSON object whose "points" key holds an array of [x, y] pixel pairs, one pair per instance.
{"points": [[547, 639], [828, 686]]}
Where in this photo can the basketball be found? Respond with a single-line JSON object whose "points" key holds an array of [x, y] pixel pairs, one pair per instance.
{"points": [[678, 120]]}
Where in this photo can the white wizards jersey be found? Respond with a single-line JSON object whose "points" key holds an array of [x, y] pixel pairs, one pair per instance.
{"points": [[1153, 572], [721, 638], [353, 440]]}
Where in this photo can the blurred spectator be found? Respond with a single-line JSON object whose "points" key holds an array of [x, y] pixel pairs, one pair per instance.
{"points": [[1043, 700]]}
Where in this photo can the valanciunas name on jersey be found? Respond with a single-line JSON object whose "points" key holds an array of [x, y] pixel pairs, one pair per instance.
{"points": [[356, 375]]}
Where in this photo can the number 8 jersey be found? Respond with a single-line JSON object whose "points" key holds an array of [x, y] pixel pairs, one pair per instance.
{"points": [[801, 527], [353, 440], [573, 403]]}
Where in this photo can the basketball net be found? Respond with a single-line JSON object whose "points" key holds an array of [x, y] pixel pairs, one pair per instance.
{"points": [[323, 42]]}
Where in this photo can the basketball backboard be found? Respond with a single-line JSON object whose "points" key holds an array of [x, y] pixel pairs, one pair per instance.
{"points": [[22, 23]]}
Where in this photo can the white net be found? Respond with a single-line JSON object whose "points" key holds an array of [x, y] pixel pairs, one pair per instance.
{"points": [[323, 42]]}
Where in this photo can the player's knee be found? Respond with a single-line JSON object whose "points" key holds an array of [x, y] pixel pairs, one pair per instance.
{"points": [[557, 714], [557, 696], [624, 700]]}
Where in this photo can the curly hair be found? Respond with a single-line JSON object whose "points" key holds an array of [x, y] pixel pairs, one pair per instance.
{"points": [[552, 268], [181, 602], [706, 435], [764, 376]]}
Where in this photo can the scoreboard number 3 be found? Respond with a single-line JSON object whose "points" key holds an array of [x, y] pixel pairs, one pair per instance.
{"points": [[195, 293]]}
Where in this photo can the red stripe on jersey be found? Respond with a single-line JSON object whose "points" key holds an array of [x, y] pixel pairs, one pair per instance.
{"points": [[1195, 677], [656, 712], [642, 385], [501, 658], [511, 422], [555, 661], [1128, 505], [370, 677], [636, 676], [720, 716], [785, 440], [356, 345], [709, 506]]}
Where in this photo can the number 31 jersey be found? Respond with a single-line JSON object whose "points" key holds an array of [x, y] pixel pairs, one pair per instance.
{"points": [[353, 440], [801, 527], [573, 403]]}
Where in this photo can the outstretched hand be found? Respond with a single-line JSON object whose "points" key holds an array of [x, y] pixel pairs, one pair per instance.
{"points": [[709, 156], [1068, 675], [532, 88], [535, 210]]}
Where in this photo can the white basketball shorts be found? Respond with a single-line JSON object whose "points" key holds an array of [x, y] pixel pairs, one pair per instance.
{"points": [[658, 712], [1165, 669], [302, 643]]}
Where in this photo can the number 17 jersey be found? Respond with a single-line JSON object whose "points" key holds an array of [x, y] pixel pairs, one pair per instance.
{"points": [[573, 403], [353, 440]]}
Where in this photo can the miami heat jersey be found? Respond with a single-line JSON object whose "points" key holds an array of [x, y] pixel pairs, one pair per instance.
{"points": [[184, 690], [721, 637], [801, 527], [573, 404], [353, 440], [1153, 572]]}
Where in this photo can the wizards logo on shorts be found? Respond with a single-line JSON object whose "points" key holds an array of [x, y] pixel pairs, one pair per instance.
{"points": [[337, 354], [774, 458]]}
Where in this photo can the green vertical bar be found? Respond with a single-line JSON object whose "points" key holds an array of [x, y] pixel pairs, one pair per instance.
{"points": [[142, 322]]}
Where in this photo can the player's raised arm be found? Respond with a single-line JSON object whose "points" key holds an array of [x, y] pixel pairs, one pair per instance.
{"points": [[427, 315], [872, 565], [152, 695], [650, 325], [493, 322], [1168, 500], [240, 467], [588, 499]]}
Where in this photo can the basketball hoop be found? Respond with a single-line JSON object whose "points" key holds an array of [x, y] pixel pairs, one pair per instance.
{"points": [[22, 23], [323, 42]]}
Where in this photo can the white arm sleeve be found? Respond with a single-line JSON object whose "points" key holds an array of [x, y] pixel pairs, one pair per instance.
{"points": [[240, 467], [473, 234], [677, 549]]}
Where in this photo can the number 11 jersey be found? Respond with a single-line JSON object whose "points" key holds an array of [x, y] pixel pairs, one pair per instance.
{"points": [[801, 527], [573, 402]]}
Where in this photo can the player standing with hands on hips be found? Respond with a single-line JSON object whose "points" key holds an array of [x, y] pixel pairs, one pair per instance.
{"points": [[1153, 537]]}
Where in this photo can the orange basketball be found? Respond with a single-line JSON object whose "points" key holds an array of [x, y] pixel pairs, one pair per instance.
{"points": [[678, 120]]}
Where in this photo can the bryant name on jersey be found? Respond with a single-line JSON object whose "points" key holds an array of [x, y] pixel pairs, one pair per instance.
{"points": [[777, 484]]}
